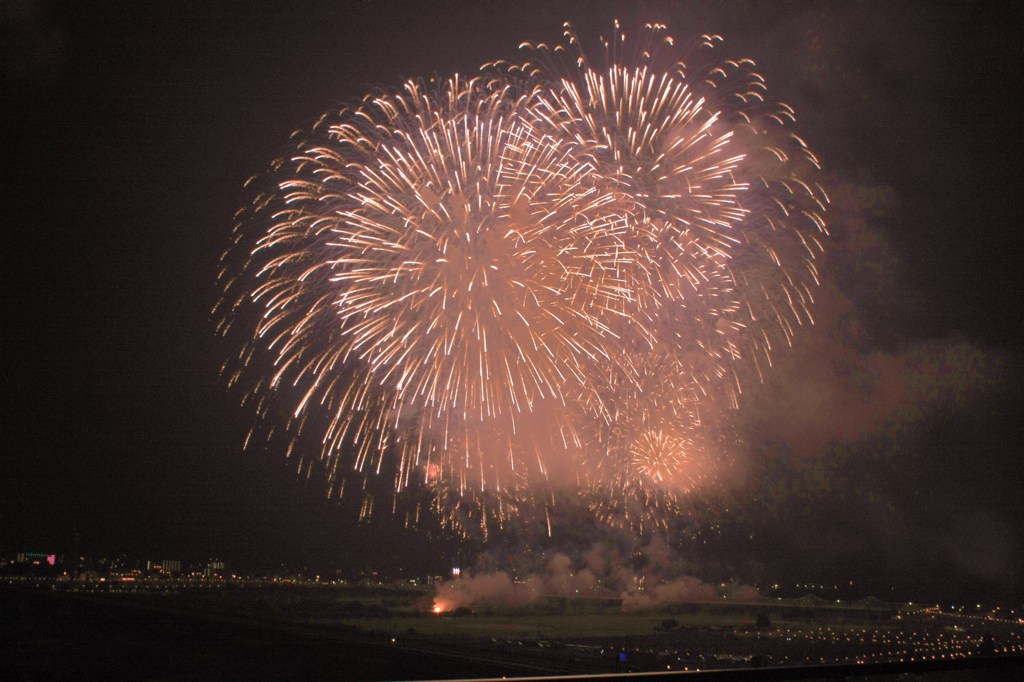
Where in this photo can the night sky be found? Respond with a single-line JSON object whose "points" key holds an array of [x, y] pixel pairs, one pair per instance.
{"points": [[885, 442]]}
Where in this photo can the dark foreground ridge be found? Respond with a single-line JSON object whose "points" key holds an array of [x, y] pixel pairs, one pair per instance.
{"points": [[997, 668], [52, 634], [61, 636]]}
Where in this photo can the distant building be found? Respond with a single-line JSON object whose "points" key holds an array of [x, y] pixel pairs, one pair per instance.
{"points": [[215, 567], [36, 558], [170, 566]]}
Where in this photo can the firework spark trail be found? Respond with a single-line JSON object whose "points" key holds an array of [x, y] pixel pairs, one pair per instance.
{"points": [[711, 179], [537, 278], [647, 449], [720, 250]]}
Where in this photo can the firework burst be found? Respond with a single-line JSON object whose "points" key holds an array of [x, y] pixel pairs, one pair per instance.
{"points": [[533, 280], [722, 222]]}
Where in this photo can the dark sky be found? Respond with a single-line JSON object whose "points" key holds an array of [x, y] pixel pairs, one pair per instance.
{"points": [[130, 128]]}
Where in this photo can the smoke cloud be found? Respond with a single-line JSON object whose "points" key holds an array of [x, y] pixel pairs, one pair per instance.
{"points": [[604, 573]]}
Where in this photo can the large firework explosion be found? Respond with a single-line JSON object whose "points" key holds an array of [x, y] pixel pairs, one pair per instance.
{"points": [[531, 282]]}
